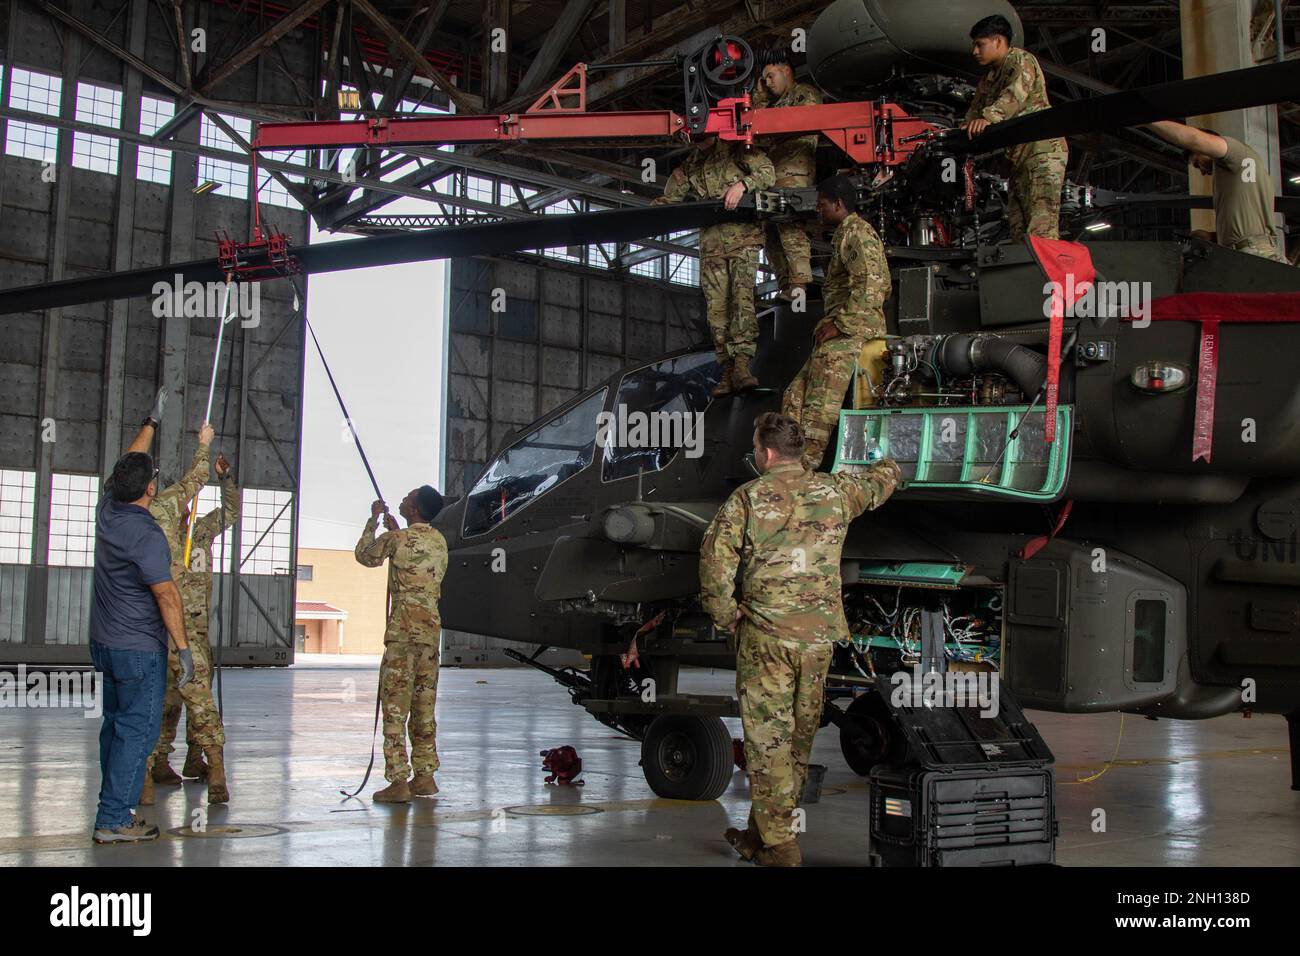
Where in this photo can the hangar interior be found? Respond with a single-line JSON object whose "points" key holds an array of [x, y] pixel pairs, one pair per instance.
{"points": [[125, 130]]}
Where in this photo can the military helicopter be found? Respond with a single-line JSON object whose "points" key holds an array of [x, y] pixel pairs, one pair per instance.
{"points": [[1086, 508]]}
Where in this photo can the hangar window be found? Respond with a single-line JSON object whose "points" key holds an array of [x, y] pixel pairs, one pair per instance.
{"points": [[231, 176], [270, 189], [209, 501], [265, 531], [480, 189], [601, 255], [655, 414], [35, 93], [684, 270], [649, 267], [154, 165], [103, 107], [534, 465], [564, 253], [526, 194], [72, 520], [17, 512]]}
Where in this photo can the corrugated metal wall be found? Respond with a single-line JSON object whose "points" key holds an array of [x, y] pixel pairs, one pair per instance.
{"points": [[93, 370]]}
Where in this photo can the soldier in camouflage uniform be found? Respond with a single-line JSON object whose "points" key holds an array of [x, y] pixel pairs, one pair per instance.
{"points": [[718, 169], [1014, 86], [794, 159], [784, 533], [408, 674], [853, 297], [1243, 189], [204, 731], [169, 509]]}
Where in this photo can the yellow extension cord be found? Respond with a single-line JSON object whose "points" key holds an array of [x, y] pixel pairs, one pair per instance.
{"points": [[1109, 762]]}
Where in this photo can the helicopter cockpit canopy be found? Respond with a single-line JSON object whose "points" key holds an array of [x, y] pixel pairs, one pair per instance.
{"points": [[534, 465], [657, 413], [666, 399]]}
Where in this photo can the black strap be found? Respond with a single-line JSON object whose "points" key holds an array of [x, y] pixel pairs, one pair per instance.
{"points": [[356, 438], [379, 699], [373, 732]]}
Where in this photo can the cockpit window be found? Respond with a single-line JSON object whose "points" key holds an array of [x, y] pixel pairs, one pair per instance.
{"points": [[534, 465], [658, 413]]}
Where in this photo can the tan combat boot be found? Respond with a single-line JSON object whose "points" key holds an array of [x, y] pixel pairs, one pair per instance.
{"points": [[723, 388], [217, 790], [146, 794], [398, 792], [194, 765], [163, 772], [783, 854], [741, 377], [423, 786], [745, 842]]}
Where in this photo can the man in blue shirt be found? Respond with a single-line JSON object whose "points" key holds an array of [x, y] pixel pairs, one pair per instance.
{"points": [[135, 606]]}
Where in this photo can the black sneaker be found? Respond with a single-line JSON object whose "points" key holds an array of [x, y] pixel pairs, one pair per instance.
{"points": [[136, 831]]}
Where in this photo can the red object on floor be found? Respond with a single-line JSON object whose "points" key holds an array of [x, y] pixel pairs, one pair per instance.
{"points": [[564, 765], [1211, 308], [738, 752], [1068, 266]]}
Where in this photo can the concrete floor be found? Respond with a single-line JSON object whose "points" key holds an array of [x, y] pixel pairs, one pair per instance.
{"points": [[1212, 792]]}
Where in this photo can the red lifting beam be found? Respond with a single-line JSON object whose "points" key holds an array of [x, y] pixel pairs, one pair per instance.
{"points": [[867, 132], [850, 126]]}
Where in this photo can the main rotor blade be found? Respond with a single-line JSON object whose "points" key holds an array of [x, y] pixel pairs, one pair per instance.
{"points": [[1217, 93], [1109, 199], [579, 229]]}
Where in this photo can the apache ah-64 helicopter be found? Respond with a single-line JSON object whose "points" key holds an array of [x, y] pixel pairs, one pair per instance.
{"points": [[1104, 505]]}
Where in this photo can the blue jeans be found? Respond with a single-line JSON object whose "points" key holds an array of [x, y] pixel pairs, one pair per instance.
{"points": [[132, 693]]}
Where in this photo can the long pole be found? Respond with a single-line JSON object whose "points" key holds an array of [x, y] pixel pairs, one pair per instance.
{"points": [[207, 412], [344, 409]]}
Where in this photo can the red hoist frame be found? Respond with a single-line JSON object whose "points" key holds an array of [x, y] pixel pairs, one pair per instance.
{"points": [[867, 132]]}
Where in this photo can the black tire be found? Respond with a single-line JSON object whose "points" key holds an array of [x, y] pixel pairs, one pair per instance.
{"points": [[871, 714], [687, 758]]}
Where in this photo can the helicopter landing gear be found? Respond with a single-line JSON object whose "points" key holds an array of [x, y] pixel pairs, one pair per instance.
{"points": [[867, 735], [687, 758]]}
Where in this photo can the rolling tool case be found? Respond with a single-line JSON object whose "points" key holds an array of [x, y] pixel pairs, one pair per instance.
{"points": [[973, 790]]}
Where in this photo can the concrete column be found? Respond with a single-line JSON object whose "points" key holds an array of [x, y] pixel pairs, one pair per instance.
{"points": [[1216, 38]]}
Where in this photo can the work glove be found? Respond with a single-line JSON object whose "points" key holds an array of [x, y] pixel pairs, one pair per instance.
{"points": [[187, 666], [156, 413]]}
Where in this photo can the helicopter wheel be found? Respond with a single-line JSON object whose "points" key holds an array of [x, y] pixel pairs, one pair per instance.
{"points": [[871, 716], [687, 758]]}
